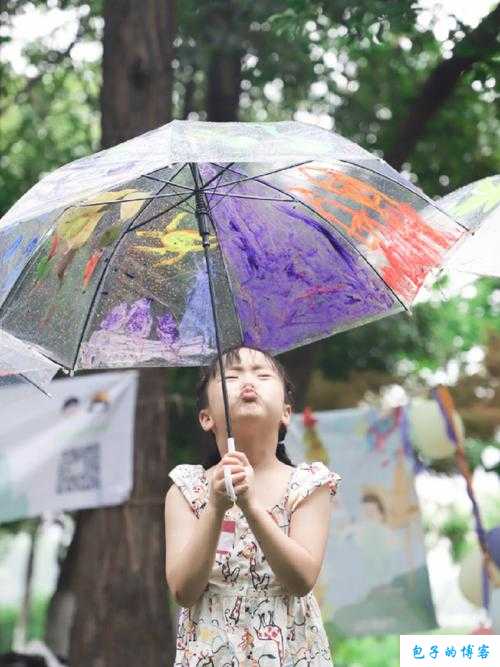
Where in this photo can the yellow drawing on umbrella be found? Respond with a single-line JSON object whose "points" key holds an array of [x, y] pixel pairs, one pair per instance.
{"points": [[76, 225], [172, 241]]}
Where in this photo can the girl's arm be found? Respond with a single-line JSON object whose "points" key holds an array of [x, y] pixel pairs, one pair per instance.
{"points": [[190, 546], [295, 559]]}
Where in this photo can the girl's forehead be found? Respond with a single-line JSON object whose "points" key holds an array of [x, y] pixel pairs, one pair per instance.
{"points": [[248, 358]]}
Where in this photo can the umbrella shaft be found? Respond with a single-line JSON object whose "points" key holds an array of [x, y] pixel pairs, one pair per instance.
{"points": [[202, 215]]}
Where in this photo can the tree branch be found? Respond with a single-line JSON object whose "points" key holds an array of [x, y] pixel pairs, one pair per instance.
{"points": [[477, 46], [53, 58]]}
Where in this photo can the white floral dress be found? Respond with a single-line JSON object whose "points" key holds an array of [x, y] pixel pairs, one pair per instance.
{"points": [[245, 617]]}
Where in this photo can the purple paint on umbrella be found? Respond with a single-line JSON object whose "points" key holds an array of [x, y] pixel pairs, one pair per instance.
{"points": [[140, 320], [322, 229], [116, 319], [166, 328], [293, 277]]}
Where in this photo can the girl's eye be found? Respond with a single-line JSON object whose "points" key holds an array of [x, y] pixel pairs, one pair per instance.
{"points": [[228, 377]]}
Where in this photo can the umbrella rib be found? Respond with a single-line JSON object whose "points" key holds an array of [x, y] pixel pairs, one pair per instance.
{"points": [[104, 274], [266, 173], [122, 201], [157, 215], [224, 194], [35, 384], [234, 184], [219, 177], [192, 210], [185, 187]]}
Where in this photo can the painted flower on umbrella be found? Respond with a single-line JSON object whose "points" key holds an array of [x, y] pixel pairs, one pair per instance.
{"points": [[116, 319], [166, 328], [140, 320]]}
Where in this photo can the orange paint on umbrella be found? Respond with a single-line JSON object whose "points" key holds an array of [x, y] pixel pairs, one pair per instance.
{"points": [[54, 243], [90, 266], [409, 245]]}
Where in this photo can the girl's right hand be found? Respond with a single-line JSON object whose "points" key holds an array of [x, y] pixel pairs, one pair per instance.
{"points": [[218, 496]]}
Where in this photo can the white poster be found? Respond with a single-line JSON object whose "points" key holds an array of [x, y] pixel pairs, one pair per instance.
{"points": [[71, 451]]}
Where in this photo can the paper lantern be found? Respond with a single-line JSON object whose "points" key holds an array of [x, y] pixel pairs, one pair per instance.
{"points": [[428, 429], [470, 577]]}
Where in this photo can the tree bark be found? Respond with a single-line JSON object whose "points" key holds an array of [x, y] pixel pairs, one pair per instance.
{"points": [[224, 79], [136, 94], [114, 574], [475, 47], [224, 68], [122, 603]]}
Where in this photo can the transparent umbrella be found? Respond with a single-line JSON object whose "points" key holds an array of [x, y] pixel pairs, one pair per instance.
{"points": [[181, 243], [477, 206]]}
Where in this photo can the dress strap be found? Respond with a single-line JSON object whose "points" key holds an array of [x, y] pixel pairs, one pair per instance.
{"points": [[193, 483], [309, 476]]}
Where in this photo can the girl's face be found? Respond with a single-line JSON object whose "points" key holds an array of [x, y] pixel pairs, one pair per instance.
{"points": [[255, 396]]}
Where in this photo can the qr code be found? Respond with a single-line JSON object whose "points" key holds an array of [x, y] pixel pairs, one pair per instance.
{"points": [[79, 469]]}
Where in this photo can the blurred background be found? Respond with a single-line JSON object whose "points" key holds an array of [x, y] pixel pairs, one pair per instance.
{"points": [[412, 82]]}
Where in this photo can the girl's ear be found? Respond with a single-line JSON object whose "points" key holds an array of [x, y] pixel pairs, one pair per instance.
{"points": [[206, 420], [287, 414]]}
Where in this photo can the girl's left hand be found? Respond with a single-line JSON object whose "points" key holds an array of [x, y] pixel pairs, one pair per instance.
{"points": [[244, 490]]}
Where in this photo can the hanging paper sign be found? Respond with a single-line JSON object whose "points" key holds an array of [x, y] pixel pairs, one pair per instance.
{"points": [[71, 451]]}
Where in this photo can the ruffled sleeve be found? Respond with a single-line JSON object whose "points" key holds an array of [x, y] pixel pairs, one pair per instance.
{"points": [[310, 476], [193, 483]]}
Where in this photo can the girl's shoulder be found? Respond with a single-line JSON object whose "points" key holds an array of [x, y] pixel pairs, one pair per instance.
{"points": [[308, 476], [192, 482]]}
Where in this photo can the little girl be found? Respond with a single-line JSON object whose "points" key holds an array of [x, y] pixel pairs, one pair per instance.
{"points": [[243, 573]]}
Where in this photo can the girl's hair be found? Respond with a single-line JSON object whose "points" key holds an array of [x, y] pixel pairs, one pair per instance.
{"points": [[232, 356]]}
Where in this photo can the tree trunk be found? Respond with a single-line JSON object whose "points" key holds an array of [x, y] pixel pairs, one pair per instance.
{"points": [[113, 579], [224, 79], [122, 603], [224, 68], [136, 94], [477, 46]]}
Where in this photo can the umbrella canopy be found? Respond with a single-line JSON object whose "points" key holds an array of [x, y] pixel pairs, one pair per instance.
{"points": [[105, 262], [477, 206]]}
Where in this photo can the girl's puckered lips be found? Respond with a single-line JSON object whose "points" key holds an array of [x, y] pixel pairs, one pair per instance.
{"points": [[248, 394]]}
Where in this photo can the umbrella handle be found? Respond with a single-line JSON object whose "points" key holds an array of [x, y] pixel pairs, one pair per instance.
{"points": [[227, 473]]}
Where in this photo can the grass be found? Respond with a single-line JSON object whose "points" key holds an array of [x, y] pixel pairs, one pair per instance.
{"points": [[36, 625]]}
